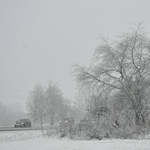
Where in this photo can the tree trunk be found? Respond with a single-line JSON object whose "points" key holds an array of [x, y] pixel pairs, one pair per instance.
{"points": [[41, 119], [139, 119], [52, 120]]}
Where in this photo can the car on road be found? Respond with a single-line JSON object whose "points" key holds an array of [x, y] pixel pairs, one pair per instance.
{"points": [[22, 123], [66, 123]]}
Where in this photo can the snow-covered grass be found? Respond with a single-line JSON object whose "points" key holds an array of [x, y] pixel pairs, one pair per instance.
{"points": [[9, 136], [34, 140]]}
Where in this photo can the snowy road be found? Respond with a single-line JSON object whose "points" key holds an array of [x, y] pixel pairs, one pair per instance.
{"points": [[29, 140], [29, 128]]}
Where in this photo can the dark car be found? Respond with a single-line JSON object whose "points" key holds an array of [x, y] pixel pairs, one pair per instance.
{"points": [[66, 122], [22, 123]]}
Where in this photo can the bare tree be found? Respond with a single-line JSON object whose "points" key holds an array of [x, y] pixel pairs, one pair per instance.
{"points": [[80, 104], [122, 66], [36, 104], [53, 101]]}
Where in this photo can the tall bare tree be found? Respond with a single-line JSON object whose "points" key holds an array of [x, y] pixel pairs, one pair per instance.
{"points": [[36, 104], [122, 66], [54, 101]]}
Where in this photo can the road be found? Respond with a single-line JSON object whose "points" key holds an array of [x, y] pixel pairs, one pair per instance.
{"points": [[32, 128]]}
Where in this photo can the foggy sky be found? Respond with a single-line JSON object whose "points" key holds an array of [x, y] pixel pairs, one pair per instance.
{"points": [[41, 39]]}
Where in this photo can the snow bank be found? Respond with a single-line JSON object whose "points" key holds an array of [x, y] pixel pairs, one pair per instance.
{"points": [[36, 141], [19, 135]]}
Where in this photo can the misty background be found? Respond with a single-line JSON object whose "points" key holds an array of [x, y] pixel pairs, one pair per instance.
{"points": [[40, 40]]}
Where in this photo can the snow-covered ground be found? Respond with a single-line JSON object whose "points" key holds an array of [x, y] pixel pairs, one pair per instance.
{"points": [[34, 140]]}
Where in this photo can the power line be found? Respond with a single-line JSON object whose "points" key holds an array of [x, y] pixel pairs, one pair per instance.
{"points": [[14, 84], [12, 90], [11, 95]]}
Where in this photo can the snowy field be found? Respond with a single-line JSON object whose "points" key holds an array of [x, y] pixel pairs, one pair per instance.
{"points": [[34, 140]]}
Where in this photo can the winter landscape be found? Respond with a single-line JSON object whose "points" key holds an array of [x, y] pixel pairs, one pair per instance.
{"points": [[74, 75]]}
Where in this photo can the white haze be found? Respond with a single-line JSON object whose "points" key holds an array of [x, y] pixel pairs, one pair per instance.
{"points": [[41, 39]]}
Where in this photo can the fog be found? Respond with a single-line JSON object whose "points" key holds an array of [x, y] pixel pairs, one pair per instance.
{"points": [[41, 39]]}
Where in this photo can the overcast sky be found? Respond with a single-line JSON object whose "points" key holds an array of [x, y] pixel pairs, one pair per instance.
{"points": [[41, 39]]}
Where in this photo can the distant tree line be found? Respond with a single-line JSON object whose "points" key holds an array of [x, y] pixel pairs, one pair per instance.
{"points": [[10, 113], [47, 105]]}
